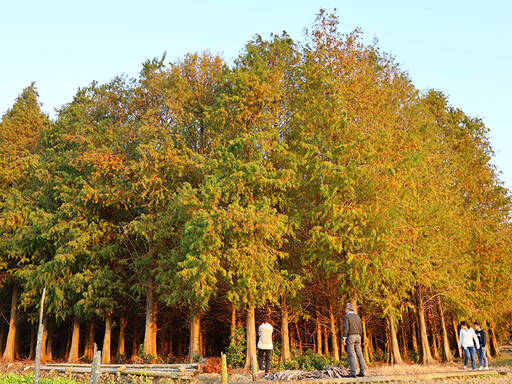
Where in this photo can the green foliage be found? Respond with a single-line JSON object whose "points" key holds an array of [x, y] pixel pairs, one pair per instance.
{"points": [[235, 352], [308, 361], [12, 378]]}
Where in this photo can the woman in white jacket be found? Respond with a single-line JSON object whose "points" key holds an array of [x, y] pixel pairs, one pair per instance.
{"points": [[468, 340], [265, 344]]}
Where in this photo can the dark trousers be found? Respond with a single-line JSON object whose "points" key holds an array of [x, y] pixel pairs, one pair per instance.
{"points": [[265, 352]]}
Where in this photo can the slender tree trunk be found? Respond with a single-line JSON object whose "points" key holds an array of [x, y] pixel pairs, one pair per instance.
{"points": [[121, 351], [44, 357], [495, 348], [232, 325], [2, 338], [367, 351], [342, 346], [250, 337], [456, 334], [195, 335], [318, 333], [299, 339], [10, 345], [447, 353], [285, 335], [433, 332], [334, 337], [135, 347], [151, 319], [105, 354], [49, 346], [89, 341], [75, 337], [425, 356], [414, 334], [326, 341], [394, 350], [32, 353]]}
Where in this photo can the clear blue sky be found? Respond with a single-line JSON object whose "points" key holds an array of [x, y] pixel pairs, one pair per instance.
{"points": [[459, 47]]}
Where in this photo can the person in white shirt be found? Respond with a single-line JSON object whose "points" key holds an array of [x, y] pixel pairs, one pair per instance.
{"points": [[467, 341], [265, 344]]}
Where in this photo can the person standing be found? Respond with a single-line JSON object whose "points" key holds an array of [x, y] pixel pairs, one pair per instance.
{"points": [[265, 344], [481, 352], [352, 335], [468, 340]]}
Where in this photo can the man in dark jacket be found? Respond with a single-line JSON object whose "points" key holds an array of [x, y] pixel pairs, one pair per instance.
{"points": [[352, 335], [481, 352]]}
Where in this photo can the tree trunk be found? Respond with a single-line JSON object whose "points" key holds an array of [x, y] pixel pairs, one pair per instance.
{"points": [[367, 345], [2, 338], [250, 337], [44, 357], [326, 341], [195, 335], [32, 353], [447, 353], [334, 337], [425, 356], [414, 334], [394, 355], [121, 352], [456, 333], [495, 349], [318, 333], [285, 335], [151, 322], [49, 346], [89, 342], [232, 325], [135, 347], [433, 333], [75, 338], [10, 345], [299, 339], [105, 354]]}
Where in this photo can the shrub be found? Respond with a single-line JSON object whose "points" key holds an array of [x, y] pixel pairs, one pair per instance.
{"points": [[235, 352]]}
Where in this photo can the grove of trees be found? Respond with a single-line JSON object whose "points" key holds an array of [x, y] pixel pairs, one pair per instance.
{"points": [[164, 211]]}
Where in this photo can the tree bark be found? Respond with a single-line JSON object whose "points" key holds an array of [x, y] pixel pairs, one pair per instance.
{"points": [[105, 353], [326, 341], [232, 325], [121, 350], [495, 349], [334, 337], [394, 355], [151, 321], [10, 345], [250, 337], [44, 356], [447, 353], [425, 356], [367, 344], [299, 339], [89, 342], [456, 334], [32, 353], [318, 333], [285, 335], [195, 335], [75, 338]]}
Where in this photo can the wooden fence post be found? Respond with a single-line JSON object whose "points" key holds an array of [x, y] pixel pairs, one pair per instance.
{"points": [[223, 369]]}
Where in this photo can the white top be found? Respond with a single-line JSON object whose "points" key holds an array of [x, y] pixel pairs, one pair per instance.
{"points": [[265, 336], [466, 338]]}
